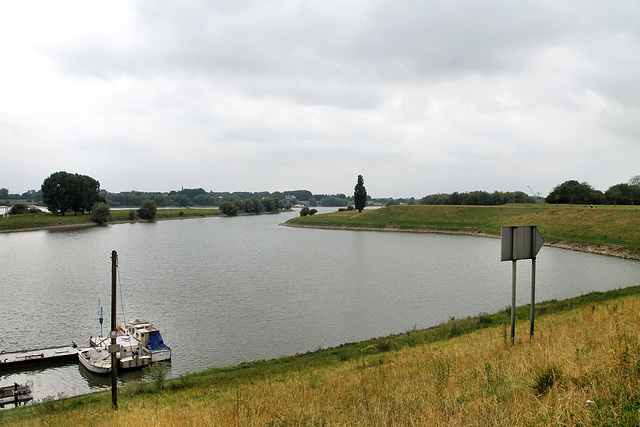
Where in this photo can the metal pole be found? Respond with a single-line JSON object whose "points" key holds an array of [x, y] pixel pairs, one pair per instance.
{"points": [[114, 360], [513, 300], [533, 296]]}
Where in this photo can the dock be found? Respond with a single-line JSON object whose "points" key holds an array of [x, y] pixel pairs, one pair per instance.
{"points": [[41, 356], [15, 395]]}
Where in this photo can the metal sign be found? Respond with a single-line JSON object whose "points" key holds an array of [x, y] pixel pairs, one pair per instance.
{"points": [[520, 242]]}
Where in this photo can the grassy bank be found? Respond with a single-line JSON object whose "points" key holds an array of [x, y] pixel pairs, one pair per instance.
{"points": [[583, 367], [45, 220], [613, 230]]}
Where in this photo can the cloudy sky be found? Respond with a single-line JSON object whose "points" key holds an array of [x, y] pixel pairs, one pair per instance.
{"points": [[419, 97]]}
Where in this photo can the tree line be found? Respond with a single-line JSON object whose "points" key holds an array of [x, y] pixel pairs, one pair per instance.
{"points": [[64, 192], [576, 192]]}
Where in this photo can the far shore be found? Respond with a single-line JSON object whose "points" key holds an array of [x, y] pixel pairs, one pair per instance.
{"points": [[608, 250]]}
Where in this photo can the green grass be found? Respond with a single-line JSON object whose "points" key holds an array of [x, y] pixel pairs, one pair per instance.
{"points": [[617, 227], [29, 221]]}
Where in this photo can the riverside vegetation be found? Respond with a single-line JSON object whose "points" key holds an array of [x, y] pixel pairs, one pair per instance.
{"points": [[611, 230], [581, 368], [45, 220]]}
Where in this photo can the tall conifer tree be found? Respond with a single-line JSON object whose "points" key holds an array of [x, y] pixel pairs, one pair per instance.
{"points": [[360, 194]]}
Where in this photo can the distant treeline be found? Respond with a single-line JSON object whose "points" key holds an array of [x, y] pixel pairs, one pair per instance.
{"points": [[200, 197], [581, 192], [478, 198], [568, 192]]}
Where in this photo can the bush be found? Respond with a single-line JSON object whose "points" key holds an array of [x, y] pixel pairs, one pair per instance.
{"points": [[17, 209], [132, 215], [100, 213], [155, 374], [148, 210], [228, 208]]}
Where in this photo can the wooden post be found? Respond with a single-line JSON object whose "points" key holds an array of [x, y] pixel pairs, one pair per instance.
{"points": [[114, 359]]}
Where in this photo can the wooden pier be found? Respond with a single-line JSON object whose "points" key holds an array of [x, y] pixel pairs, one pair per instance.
{"points": [[15, 395], [41, 356]]}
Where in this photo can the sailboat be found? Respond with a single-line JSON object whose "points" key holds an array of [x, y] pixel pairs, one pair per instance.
{"points": [[138, 343]]}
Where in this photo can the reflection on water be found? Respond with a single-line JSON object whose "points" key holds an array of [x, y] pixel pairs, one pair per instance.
{"points": [[226, 290]]}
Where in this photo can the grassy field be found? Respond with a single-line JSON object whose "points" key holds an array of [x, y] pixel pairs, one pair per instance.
{"points": [[30, 221], [582, 368], [606, 229]]}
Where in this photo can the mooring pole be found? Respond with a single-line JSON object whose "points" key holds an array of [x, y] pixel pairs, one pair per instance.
{"points": [[533, 296], [114, 360]]}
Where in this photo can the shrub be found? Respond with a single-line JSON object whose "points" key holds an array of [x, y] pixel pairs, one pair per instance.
{"points": [[100, 213], [228, 208], [132, 215], [156, 373], [17, 209], [148, 210]]}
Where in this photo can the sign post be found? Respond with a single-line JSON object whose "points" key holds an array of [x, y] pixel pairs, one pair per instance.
{"points": [[521, 242]]}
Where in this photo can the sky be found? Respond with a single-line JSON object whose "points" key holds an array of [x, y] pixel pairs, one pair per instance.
{"points": [[417, 96]]}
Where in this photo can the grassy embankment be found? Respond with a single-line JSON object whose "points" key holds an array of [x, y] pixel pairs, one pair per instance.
{"points": [[44, 220], [613, 230], [583, 367]]}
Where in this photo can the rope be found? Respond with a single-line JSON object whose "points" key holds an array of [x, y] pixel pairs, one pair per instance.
{"points": [[124, 319]]}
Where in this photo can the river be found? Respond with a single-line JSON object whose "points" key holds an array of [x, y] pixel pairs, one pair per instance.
{"points": [[227, 290]]}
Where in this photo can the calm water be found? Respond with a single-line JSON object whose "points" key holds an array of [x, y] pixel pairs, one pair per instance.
{"points": [[227, 290]]}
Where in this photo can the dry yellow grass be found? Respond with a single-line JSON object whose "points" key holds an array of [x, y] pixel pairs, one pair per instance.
{"points": [[589, 356]]}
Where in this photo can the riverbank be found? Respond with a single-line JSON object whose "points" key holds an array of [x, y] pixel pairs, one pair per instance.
{"points": [[581, 368], [48, 221], [606, 230]]}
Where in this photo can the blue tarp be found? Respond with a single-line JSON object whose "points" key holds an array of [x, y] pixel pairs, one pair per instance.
{"points": [[155, 341]]}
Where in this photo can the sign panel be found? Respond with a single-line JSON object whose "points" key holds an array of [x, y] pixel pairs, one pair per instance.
{"points": [[520, 242]]}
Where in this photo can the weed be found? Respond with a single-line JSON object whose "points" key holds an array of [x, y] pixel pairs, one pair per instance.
{"points": [[441, 364], [133, 388], [47, 405], [155, 374], [494, 378], [384, 345], [544, 378], [183, 381]]}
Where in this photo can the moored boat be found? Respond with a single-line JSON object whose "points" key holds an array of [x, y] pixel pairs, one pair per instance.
{"points": [[149, 337], [131, 354], [95, 359], [136, 344]]}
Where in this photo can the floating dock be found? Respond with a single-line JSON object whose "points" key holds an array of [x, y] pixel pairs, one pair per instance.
{"points": [[15, 394], [16, 359]]}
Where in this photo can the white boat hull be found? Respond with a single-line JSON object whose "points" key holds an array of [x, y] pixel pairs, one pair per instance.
{"points": [[160, 355], [96, 360]]}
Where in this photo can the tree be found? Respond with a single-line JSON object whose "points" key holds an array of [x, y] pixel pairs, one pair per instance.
{"points": [[65, 192], [228, 208], [148, 210], [622, 194], [253, 205], [360, 195], [100, 213], [575, 192]]}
